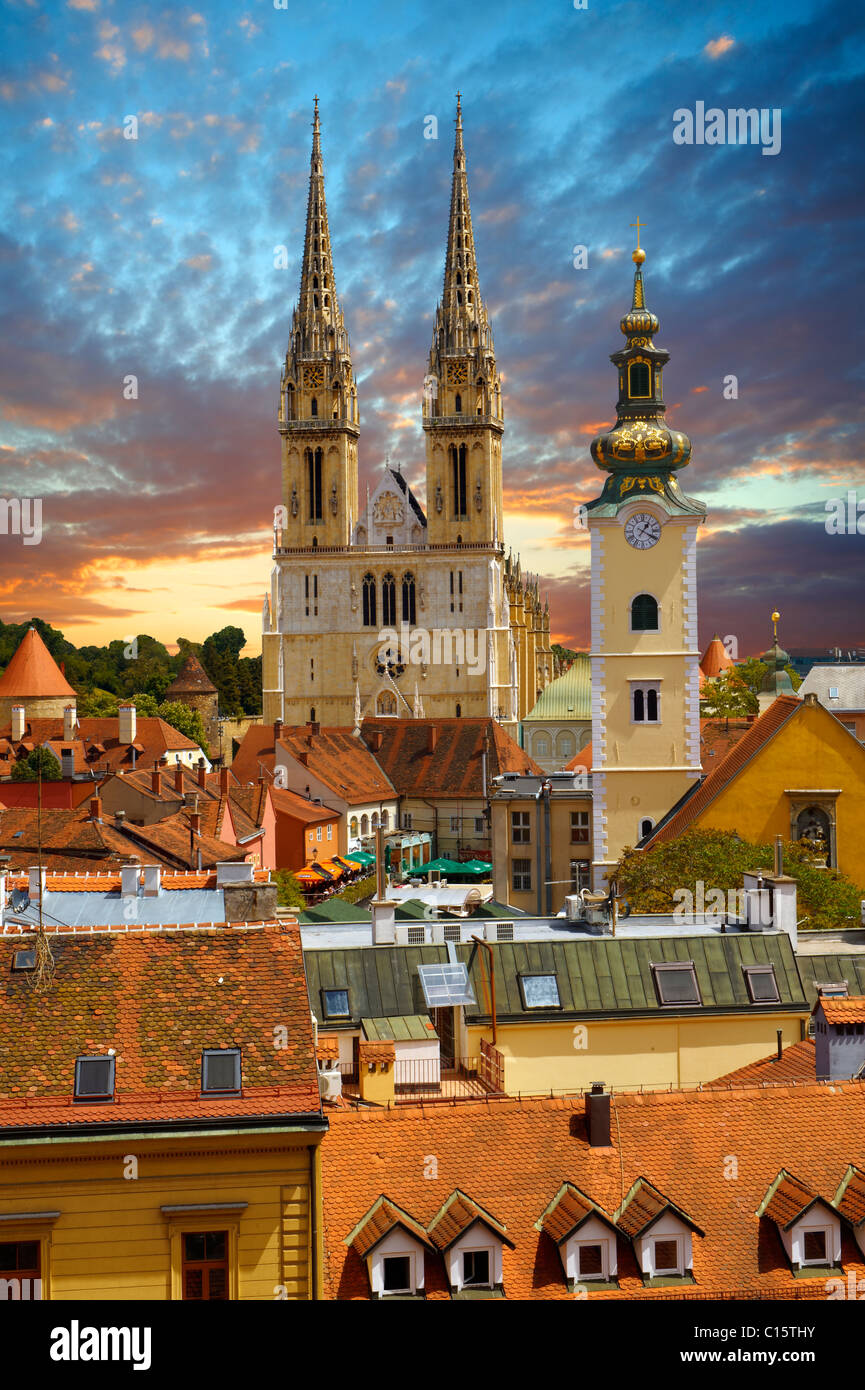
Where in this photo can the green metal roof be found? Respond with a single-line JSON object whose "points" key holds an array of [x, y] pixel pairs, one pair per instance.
{"points": [[569, 696], [332, 910], [606, 978], [382, 981], [823, 969], [399, 1028], [613, 976]]}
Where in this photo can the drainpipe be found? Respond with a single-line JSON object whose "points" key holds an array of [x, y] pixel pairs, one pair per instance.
{"points": [[488, 948], [548, 850], [538, 846]]}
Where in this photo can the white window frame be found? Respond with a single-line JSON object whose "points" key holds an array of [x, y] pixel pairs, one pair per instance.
{"points": [[604, 1276], [591, 1232], [679, 1267], [477, 1238], [318, 833], [330, 832], [826, 1232], [397, 1244], [640, 630], [645, 686]]}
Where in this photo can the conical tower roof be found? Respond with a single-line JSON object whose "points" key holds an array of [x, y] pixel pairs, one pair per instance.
{"points": [[33, 673], [191, 679], [715, 659]]}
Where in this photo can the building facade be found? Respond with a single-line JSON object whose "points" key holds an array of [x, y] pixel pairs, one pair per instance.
{"points": [[383, 609]]}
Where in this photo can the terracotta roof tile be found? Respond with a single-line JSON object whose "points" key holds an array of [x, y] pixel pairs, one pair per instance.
{"points": [[383, 1217], [158, 998], [786, 1199], [457, 1215], [849, 1200], [568, 1211], [835, 1011], [796, 1063], [642, 1207], [455, 766], [191, 679], [514, 1156], [340, 760]]}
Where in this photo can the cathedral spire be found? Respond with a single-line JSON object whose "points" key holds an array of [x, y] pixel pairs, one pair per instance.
{"points": [[462, 317], [318, 318]]}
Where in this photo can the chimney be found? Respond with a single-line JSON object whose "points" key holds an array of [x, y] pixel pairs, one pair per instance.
{"points": [[314, 729], [202, 774], [303, 756], [154, 780], [432, 734], [129, 880], [223, 781], [96, 808], [373, 740], [598, 1116], [277, 731], [195, 823], [178, 777], [152, 877], [67, 763], [127, 716], [17, 723], [69, 723], [779, 1034], [36, 883]]}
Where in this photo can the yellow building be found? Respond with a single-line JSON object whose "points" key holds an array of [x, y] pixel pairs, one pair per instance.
{"points": [[645, 658], [159, 1116], [798, 773]]}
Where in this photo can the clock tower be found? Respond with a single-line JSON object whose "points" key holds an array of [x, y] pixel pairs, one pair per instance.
{"points": [[645, 654]]}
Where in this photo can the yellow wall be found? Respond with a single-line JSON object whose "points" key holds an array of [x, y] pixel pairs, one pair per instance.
{"points": [[682, 1051], [811, 751], [562, 849], [112, 1241]]}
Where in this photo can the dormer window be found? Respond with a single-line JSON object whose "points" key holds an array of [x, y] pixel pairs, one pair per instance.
{"points": [[809, 1228], [662, 1234], [335, 1003], [220, 1071], [393, 1246], [471, 1242], [94, 1078], [585, 1236]]}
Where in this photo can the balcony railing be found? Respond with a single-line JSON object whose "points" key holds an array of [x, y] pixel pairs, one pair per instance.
{"points": [[319, 422], [498, 548], [438, 1079], [466, 421]]}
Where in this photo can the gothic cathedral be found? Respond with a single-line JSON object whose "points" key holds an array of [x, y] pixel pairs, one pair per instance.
{"points": [[645, 657], [386, 609]]}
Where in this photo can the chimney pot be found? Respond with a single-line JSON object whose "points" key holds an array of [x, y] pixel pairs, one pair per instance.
{"points": [[178, 777], [598, 1116], [432, 738], [314, 729], [127, 720], [202, 773], [223, 781], [195, 822], [303, 755], [277, 730], [96, 808], [154, 780]]}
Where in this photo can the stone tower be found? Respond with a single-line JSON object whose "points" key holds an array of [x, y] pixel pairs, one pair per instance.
{"points": [[645, 658], [193, 687]]}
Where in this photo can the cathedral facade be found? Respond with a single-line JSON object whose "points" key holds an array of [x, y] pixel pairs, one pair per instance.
{"points": [[386, 608]]}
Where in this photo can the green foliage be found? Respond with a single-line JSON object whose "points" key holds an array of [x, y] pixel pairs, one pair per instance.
{"points": [[718, 859], [288, 890], [28, 769], [728, 697], [794, 676], [357, 892], [565, 655], [142, 666], [146, 705], [186, 721], [752, 672]]}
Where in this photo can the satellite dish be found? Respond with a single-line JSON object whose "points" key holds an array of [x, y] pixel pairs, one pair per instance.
{"points": [[20, 899]]}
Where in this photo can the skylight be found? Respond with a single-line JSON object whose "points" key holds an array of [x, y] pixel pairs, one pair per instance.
{"points": [[762, 985], [540, 992], [335, 1003], [220, 1071], [94, 1078], [676, 983], [445, 986]]}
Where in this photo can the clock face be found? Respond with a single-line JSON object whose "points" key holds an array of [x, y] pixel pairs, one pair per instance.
{"points": [[642, 531], [458, 373], [314, 376]]}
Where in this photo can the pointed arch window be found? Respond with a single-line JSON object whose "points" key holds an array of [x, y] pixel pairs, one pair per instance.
{"points": [[644, 613], [369, 604], [458, 404], [639, 381], [315, 301], [388, 600], [313, 484], [327, 301], [313, 405], [408, 599], [386, 704], [315, 282], [470, 296], [458, 474], [459, 278], [459, 296], [289, 401]]}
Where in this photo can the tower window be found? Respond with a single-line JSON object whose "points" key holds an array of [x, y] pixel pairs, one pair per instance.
{"points": [[314, 483], [327, 301], [315, 301], [644, 614], [369, 605], [310, 593], [315, 282], [458, 470], [408, 600], [639, 381], [645, 702], [388, 600], [289, 401], [456, 587], [458, 404]]}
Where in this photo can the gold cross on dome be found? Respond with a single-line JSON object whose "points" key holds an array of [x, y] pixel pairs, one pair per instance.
{"points": [[638, 224]]}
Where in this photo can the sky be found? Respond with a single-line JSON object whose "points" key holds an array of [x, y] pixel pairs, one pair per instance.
{"points": [[154, 258]]}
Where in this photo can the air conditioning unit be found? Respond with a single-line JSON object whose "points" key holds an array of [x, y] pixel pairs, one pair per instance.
{"points": [[573, 907], [330, 1082]]}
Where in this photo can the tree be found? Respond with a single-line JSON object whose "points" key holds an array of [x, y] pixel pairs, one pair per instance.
{"points": [[717, 859], [728, 697], [145, 705], [752, 673], [186, 721], [97, 704], [565, 655], [288, 890], [28, 770]]}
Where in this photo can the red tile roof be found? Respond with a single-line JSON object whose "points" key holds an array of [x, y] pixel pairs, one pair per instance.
{"points": [[71, 840], [582, 759], [643, 1206], [786, 1199], [296, 807], [568, 1211], [849, 1200], [454, 767], [33, 673], [383, 1217], [158, 998], [718, 736], [835, 1011], [513, 1157], [256, 753], [341, 761], [457, 1215], [99, 741], [784, 708], [796, 1063]]}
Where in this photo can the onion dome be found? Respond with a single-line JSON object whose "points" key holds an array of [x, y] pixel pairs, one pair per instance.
{"points": [[640, 452]]}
